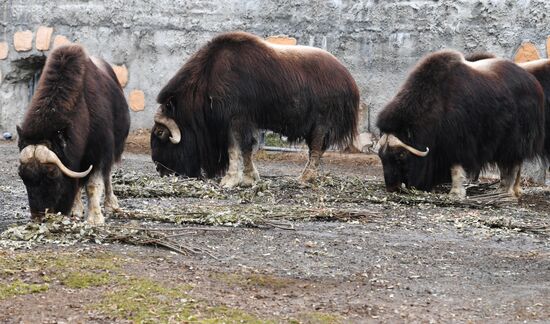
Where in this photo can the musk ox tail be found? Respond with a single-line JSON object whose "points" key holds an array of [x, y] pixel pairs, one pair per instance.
{"points": [[62, 79], [345, 116]]}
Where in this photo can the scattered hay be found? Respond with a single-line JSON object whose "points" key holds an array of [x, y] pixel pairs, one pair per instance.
{"points": [[128, 185], [273, 202], [61, 230]]}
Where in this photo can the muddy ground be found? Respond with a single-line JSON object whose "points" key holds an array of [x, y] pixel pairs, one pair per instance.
{"points": [[351, 258]]}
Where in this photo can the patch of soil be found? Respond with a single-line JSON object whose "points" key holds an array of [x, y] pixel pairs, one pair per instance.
{"points": [[139, 141]]}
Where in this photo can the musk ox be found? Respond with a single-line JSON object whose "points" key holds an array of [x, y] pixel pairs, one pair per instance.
{"points": [[452, 117], [72, 132], [236, 84]]}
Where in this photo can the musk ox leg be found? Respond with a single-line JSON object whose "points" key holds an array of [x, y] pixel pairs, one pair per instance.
{"points": [[111, 202], [310, 171], [234, 175], [458, 176], [78, 206], [510, 178], [94, 189], [517, 183], [316, 149], [251, 175]]}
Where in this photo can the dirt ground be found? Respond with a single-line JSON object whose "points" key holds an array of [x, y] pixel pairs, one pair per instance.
{"points": [[387, 261]]}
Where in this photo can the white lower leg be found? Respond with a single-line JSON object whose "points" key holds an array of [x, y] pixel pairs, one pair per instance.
{"points": [[310, 171], [111, 202], [234, 174], [517, 184], [94, 189], [251, 175], [458, 176], [78, 207]]}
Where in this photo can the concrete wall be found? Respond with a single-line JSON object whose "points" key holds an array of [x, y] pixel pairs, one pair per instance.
{"points": [[378, 40]]}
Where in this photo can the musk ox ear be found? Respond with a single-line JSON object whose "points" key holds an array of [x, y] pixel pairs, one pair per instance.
{"points": [[19, 137]]}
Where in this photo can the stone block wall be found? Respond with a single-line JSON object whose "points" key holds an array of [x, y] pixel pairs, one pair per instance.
{"points": [[379, 41]]}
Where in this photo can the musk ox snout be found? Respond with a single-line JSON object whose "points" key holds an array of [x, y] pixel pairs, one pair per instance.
{"points": [[393, 188], [163, 171]]}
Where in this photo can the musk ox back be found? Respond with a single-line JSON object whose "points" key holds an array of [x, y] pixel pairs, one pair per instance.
{"points": [[236, 84], [72, 132], [468, 114]]}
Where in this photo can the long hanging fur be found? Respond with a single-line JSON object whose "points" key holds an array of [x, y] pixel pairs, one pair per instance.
{"points": [[540, 69], [238, 76]]}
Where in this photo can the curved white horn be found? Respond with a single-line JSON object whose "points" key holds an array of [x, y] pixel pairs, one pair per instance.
{"points": [[45, 155], [393, 141], [169, 123]]}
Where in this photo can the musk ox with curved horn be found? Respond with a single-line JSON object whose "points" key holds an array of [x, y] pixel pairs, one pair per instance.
{"points": [[236, 84], [73, 131], [452, 117]]}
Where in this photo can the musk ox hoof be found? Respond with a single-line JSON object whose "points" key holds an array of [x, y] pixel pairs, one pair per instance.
{"points": [[78, 210], [308, 176], [96, 218], [250, 179], [458, 193], [112, 205], [230, 181], [515, 193]]}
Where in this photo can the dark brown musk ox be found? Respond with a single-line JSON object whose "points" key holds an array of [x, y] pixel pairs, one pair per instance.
{"points": [[452, 117], [72, 133], [237, 83]]}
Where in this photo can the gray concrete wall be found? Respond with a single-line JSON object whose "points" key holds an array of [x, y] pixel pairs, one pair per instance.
{"points": [[378, 41]]}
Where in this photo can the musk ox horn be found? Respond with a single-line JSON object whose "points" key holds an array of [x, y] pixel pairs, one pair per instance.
{"points": [[393, 141], [169, 123], [45, 155]]}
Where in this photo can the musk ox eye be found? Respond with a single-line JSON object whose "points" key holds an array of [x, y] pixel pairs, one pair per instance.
{"points": [[161, 132]]}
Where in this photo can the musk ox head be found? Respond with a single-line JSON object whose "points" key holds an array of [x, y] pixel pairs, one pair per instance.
{"points": [[173, 147], [396, 159], [51, 185]]}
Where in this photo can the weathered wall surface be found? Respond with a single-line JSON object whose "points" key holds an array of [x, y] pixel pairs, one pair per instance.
{"points": [[379, 41]]}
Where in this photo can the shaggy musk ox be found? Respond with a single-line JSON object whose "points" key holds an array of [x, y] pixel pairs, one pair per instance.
{"points": [[72, 133], [452, 117], [237, 83]]}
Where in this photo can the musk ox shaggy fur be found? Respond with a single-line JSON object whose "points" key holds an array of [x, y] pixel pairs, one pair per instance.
{"points": [[72, 132], [540, 69], [237, 83], [469, 115]]}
